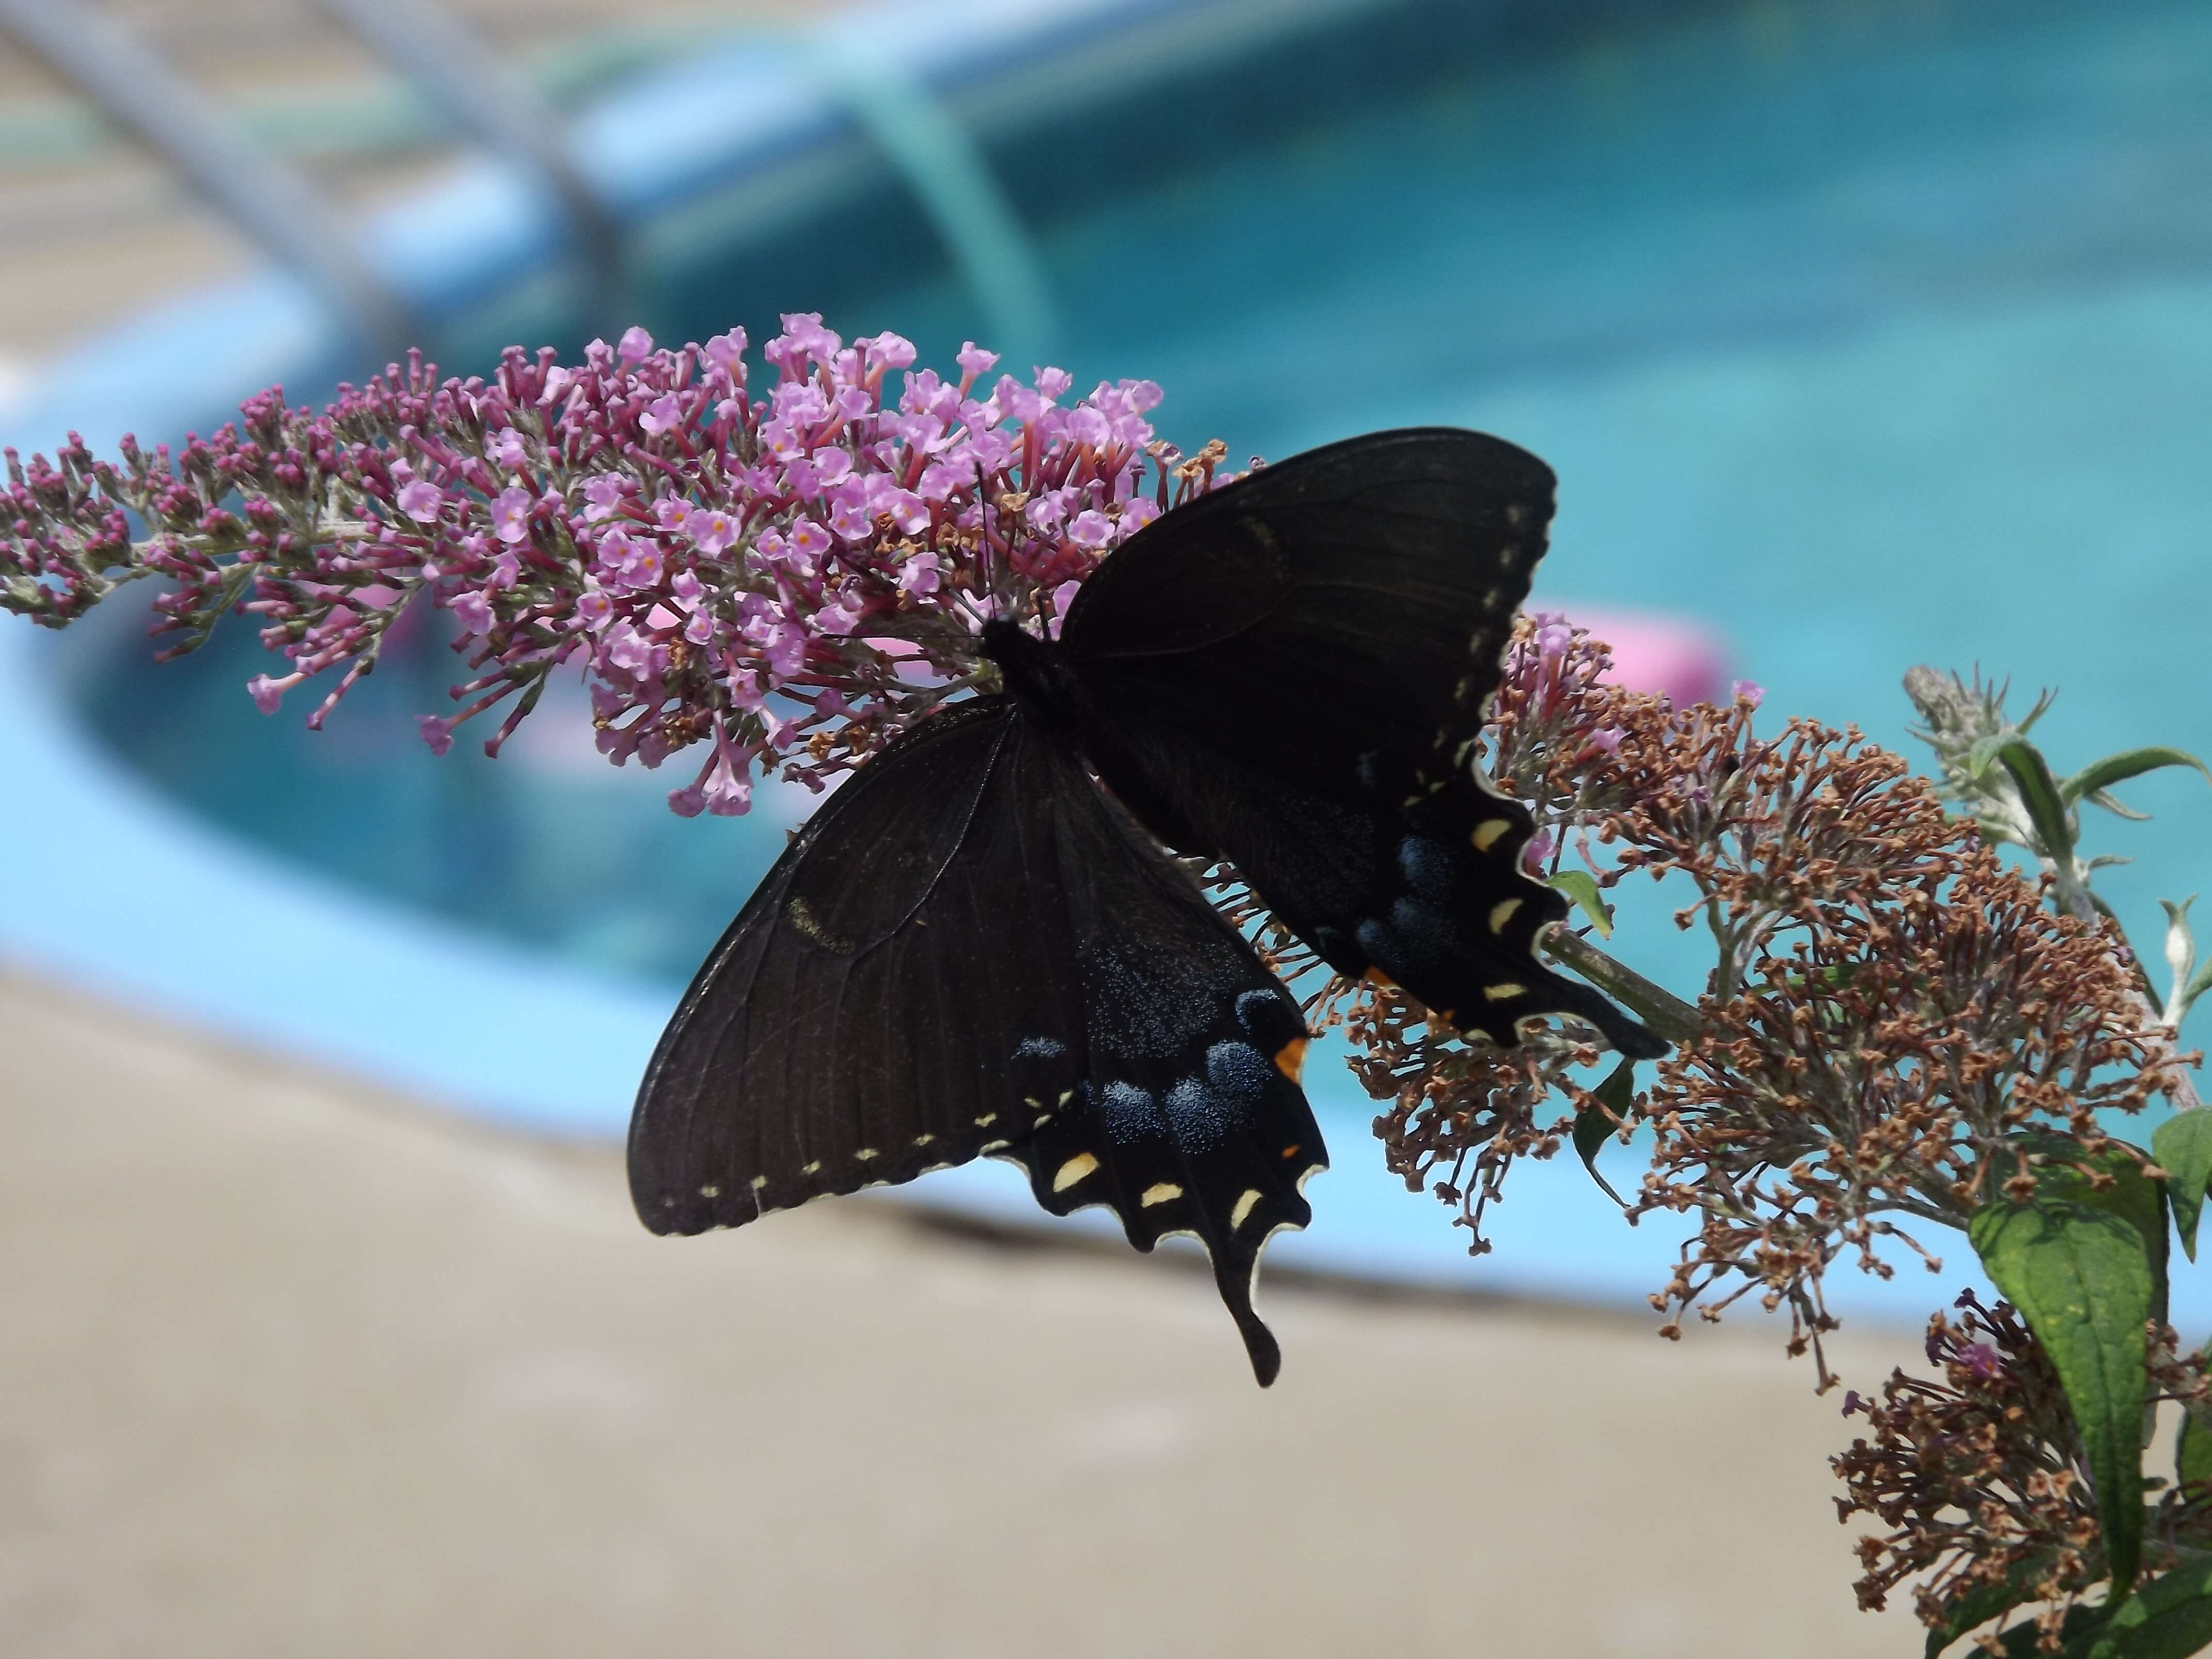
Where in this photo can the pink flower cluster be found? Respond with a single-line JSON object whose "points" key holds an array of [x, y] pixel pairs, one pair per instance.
{"points": [[787, 574]]}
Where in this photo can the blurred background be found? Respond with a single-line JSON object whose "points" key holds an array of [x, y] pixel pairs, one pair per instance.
{"points": [[1860, 333]]}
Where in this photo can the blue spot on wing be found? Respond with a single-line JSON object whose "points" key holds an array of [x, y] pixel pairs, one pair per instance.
{"points": [[1128, 1113]]}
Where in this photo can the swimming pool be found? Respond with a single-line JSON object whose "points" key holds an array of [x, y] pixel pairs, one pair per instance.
{"points": [[1869, 334]]}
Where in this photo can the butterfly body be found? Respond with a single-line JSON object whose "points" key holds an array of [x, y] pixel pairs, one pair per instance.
{"points": [[977, 946]]}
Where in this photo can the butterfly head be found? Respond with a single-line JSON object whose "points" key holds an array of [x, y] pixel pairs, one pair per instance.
{"points": [[1035, 672]]}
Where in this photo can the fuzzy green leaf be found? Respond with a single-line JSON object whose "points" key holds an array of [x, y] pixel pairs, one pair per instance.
{"points": [[2112, 804], [2128, 763], [2129, 1193], [2192, 1459], [2081, 1275], [2196, 987], [1581, 887], [1593, 1127], [2169, 1618], [2182, 1146], [2038, 793], [2083, 1626], [1985, 1601]]}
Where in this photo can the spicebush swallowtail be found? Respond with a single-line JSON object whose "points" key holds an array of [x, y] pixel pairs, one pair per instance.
{"points": [[975, 948]]}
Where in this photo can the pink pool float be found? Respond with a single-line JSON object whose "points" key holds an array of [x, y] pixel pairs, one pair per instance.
{"points": [[1675, 656]]}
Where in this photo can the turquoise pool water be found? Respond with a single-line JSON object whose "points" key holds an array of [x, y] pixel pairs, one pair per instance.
{"points": [[1867, 334]]}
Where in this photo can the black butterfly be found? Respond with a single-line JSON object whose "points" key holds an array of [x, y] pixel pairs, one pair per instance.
{"points": [[973, 948]]}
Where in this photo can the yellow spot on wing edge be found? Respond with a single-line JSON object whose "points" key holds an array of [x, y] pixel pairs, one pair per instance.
{"points": [[987, 1120], [1291, 1058], [759, 1182], [814, 1167], [1504, 992], [864, 1153], [1501, 913], [990, 1146], [1073, 1171], [1243, 1212], [1164, 1192], [710, 1192], [1487, 833]]}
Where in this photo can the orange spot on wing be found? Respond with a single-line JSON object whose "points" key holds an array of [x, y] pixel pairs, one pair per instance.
{"points": [[1290, 1060], [1380, 980], [1291, 1150]]}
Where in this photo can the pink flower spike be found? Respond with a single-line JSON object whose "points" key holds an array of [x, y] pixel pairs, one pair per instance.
{"points": [[636, 347], [510, 514], [421, 502]]}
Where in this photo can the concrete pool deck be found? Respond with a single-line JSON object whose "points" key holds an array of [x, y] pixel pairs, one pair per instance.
{"points": [[295, 1368]]}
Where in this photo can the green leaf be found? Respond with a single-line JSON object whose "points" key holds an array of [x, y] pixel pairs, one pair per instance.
{"points": [[1985, 1601], [2112, 804], [2080, 1276], [2131, 1194], [2128, 763], [2192, 1460], [2182, 1146], [2169, 1618], [1593, 1128], [2038, 793], [2083, 1626], [2196, 987], [1581, 887]]}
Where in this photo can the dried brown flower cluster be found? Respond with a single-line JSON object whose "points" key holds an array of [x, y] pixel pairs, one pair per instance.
{"points": [[1890, 1002], [1982, 1479]]}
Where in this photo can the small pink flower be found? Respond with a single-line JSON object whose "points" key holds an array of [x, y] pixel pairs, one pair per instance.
{"points": [[728, 795], [973, 361], [506, 446], [1748, 692], [642, 566], [808, 540], [268, 693], [510, 514], [907, 511], [474, 611], [437, 732], [712, 529], [727, 351], [1091, 529], [636, 346], [602, 496], [594, 608], [664, 414], [921, 575], [421, 500]]}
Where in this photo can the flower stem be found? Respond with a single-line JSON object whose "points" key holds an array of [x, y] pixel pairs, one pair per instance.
{"points": [[1660, 1009]]}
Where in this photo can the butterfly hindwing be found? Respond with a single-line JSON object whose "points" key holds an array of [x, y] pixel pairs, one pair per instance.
{"points": [[969, 951], [1288, 673]]}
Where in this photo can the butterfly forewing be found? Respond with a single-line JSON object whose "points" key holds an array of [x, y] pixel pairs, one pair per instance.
{"points": [[970, 951], [1312, 724]]}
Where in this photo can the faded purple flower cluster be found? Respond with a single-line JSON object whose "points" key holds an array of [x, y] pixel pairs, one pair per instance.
{"points": [[787, 574]]}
